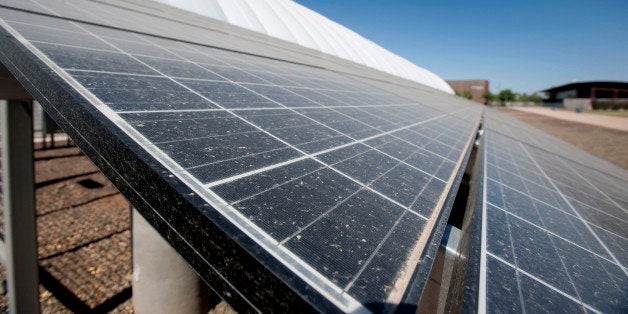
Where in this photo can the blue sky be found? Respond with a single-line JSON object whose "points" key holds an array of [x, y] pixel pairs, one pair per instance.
{"points": [[526, 46]]}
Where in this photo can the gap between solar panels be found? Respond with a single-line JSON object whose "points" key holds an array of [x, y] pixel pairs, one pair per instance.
{"points": [[447, 280]]}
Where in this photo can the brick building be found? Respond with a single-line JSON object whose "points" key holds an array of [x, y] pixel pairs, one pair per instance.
{"points": [[477, 88]]}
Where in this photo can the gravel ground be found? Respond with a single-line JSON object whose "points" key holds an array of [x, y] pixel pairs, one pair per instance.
{"points": [[84, 241], [606, 143]]}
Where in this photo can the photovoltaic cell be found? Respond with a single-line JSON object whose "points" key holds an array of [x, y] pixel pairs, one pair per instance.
{"points": [[334, 183]]}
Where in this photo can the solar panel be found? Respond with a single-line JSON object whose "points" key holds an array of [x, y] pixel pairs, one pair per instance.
{"points": [[288, 180], [282, 184], [553, 227]]}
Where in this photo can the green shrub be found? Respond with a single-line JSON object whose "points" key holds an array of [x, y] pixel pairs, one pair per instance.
{"points": [[615, 104]]}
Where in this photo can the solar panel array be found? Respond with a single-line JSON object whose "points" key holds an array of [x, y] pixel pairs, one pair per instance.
{"points": [[553, 229], [337, 180], [289, 180]]}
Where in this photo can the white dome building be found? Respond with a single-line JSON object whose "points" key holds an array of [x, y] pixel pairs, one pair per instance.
{"points": [[290, 21]]}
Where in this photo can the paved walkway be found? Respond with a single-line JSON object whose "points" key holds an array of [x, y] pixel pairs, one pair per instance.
{"points": [[616, 123]]}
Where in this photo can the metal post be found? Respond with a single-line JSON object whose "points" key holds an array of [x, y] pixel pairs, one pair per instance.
{"points": [[162, 281], [19, 206]]}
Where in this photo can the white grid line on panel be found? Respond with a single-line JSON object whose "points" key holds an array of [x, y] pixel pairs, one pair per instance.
{"points": [[232, 109], [337, 162], [512, 247], [379, 246], [322, 106], [577, 213], [592, 185], [44, 27], [554, 234], [554, 207], [114, 73], [72, 46], [541, 281], [322, 124]]}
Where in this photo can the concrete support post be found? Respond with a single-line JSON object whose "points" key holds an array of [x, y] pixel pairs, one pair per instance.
{"points": [[163, 282], [19, 206]]}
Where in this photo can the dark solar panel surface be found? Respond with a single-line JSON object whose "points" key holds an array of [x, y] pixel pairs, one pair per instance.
{"points": [[555, 229], [334, 177]]}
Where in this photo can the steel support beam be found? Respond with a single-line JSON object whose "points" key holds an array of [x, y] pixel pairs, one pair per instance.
{"points": [[19, 206]]}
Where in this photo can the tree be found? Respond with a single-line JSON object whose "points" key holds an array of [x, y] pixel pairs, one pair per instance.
{"points": [[489, 96], [530, 98], [506, 95], [466, 94]]}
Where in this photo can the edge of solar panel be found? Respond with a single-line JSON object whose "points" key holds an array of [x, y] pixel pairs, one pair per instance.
{"points": [[472, 280], [112, 144], [420, 277]]}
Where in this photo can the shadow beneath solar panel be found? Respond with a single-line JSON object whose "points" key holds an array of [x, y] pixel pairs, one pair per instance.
{"points": [[90, 184], [461, 203], [58, 156], [72, 302], [78, 247], [377, 307], [57, 180], [458, 210], [92, 200]]}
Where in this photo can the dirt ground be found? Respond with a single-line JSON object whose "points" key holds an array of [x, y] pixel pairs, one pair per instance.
{"points": [[601, 120], [606, 143]]}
